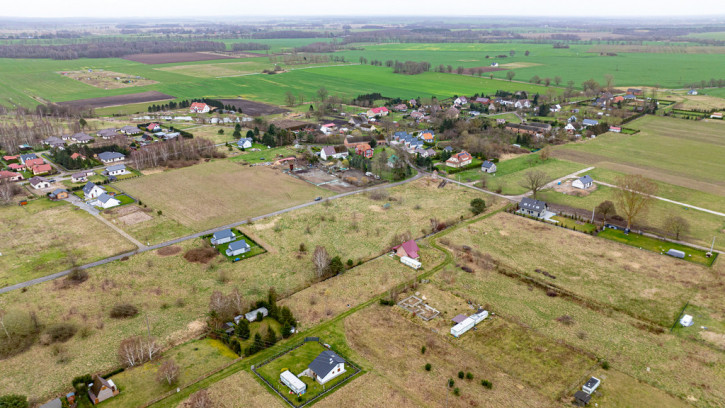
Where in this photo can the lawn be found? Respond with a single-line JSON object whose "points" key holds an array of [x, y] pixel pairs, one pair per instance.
{"points": [[573, 224], [46, 236], [264, 155], [255, 249], [681, 152], [296, 361], [511, 173], [219, 192], [656, 245], [139, 385]]}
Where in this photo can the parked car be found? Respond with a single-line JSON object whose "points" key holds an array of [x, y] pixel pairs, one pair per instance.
{"points": [[318, 198]]}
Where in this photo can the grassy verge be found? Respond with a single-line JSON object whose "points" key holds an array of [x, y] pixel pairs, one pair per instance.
{"points": [[656, 245]]}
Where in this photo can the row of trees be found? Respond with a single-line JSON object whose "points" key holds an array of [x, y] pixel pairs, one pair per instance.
{"points": [[411, 67], [250, 46], [108, 49]]}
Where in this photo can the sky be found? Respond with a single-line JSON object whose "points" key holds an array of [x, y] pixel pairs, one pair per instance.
{"points": [[435, 8]]}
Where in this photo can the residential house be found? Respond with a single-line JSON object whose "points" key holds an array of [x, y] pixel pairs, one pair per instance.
{"points": [[328, 128], [116, 170], [29, 156], [583, 182], [401, 107], [448, 149], [500, 121], [59, 194], [413, 102], [252, 316], [571, 119], [417, 115], [351, 142], [107, 133], [76, 156], [222, 237], [364, 150], [407, 248], [572, 127], [42, 169], [11, 158], [237, 248], [29, 163], [199, 107], [428, 136], [326, 366], [474, 113], [54, 143], [153, 127], [488, 166], [16, 167], [334, 152], [590, 122], [106, 201], [110, 157], [629, 97], [397, 136], [482, 100], [615, 129], [634, 91], [91, 190], [555, 108], [692, 92], [244, 143], [130, 130], [522, 104], [461, 100], [100, 390], [532, 207], [716, 115], [368, 128], [425, 152], [38, 183], [377, 112], [81, 138], [358, 121], [81, 176], [618, 99], [10, 175]]}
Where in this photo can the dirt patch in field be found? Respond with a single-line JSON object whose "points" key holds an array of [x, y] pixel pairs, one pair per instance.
{"points": [[171, 57], [715, 338], [107, 101], [253, 108], [201, 255], [134, 218], [108, 79], [168, 251]]}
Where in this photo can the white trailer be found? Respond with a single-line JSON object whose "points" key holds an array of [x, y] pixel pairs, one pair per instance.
{"points": [[479, 317], [292, 382], [591, 385], [410, 262], [462, 327]]}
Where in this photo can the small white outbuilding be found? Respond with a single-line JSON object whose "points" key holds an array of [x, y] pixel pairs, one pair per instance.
{"points": [[410, 262], [292, 382], [686, 321]]}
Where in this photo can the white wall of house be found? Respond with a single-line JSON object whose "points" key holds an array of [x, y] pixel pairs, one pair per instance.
{"points": [[336, 372]]}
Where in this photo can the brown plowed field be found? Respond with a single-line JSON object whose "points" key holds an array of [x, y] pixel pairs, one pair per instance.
{"points": [[253, 108], [107, 101]]}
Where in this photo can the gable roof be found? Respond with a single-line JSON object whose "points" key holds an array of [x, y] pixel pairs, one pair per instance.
{"points": [[233, 246], [325, 362], [227, 233], [588, 122], [586, 179], [104, 198], [487, 164], [105, 156], [98, 383], [58, 191], [533, 205], [81, 137], [116, 167], [410, 248], [37, 180], [89, 187], [328, 150], [28, 156], [79, 175]]}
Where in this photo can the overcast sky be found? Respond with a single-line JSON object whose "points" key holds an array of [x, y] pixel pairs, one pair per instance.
{"points": [[142, 9]]}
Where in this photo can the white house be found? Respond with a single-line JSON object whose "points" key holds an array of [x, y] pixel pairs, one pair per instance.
{"points": [[116, 170], [468, 323], [334, 152], [459, 160], [91, 190], [692, 92], [582, 182], [326, 366], [245, 143], [532, 207], [555, 108], [410, 262], [292, 382], [106, 201], [523, 103], [39, 183], [238, 248], [461, 100], [328, 128], [199, 107], [222, 237], [111, 157], [488, 167]]}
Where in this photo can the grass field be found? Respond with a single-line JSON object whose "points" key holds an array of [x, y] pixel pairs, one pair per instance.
{"points": [[511, 173], [242, 386], [264, 155], [681, 152], [219, 192], [657, 246], [49, 236]]}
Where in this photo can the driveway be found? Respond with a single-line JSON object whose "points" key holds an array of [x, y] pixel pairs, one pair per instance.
{"points": [[75, 200]]}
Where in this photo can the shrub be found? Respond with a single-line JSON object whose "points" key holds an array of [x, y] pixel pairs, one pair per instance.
{"points": [[77, 276], [460, 375], [605, 364], [451, 382], [159, 212], [469, 376], [60, 332], [478, 206], [428, 367], [123, 311], [13, 401], [456, 392], [80, 383], [487, 384], [422, 350], [350, 263]]}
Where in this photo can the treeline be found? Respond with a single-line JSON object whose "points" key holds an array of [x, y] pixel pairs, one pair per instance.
{"points": [[417, 35], [30, 130], [162, 154], [318, 47], [250, 46], [169, 106], [298, 59], [291, 34], [712, 83], [411, 67], [63, 157], [108, 49]]}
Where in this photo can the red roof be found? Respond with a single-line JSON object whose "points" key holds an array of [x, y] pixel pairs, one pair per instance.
{"points": [[8, 158], [11, 174], [152, 126], [198, 105], [379, 110], [34, 162], [15, 166], [410, 248], [76, 155], [42, 168], [462, 156]]}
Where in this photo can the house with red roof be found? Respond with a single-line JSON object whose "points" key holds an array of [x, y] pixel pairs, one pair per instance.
{"points": [[407, 248], [11, 158], [364, 149], [30, 163], [15, 166], [199, 107], [153, 127], [377, 112], [42, 169], [428, 136], [75, 156], [459, 160], [10, 175]]}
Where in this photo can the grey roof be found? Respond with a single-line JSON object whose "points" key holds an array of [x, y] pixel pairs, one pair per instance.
{"points": [[116, 167], [586, 179], [487, 164], [325, 362], [130, 129], [81, 137], [588, 122], [252, 316], [58, 191], [79, 175], [107, 132], [36, 180], [227, 233], [29, 156], [105, 156], [53, 140], [400, 134], [104, 198], [531, 204], [237, 245], [448, 149], [328, 150], [244, 139], [676, 253], [88, 187]]}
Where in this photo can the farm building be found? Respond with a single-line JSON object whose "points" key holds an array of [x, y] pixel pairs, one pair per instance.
{"points": [[222, 237], [532, 207], [326, 366], [716, 115], [91, 190], [199, 107], [292, 382], [238, 248], [459, 160], [252, 316], [488, 167], [615, 129], [100, 390], [583, 182], [692, 92], [407, 248]]}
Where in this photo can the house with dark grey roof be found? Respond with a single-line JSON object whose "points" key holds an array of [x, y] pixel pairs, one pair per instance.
{"points": [[245, 143], [110, 157], [29, 156], [488, 166], [532, 207], [38, 182], [130, 130], [583, 182], [237, 248], [590, 122], [91, 190], [326, 366], [81, 138], [116, 170], [222, 237]]}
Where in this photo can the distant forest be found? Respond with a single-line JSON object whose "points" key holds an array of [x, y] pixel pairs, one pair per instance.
{"points": [[109, 49]]}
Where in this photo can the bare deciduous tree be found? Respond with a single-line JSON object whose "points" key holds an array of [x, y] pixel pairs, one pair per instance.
{"points": [[321, 259], [676, 225], [199, 399], [606, 208], [534, 180], [545, 153], [633, 195], [168, 372], [137, 350], [8, 189]]}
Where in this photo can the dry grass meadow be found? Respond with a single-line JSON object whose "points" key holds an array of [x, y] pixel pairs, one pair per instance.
{"points": [[174, 293], [46, 237], [241, 389], [219, 192]]}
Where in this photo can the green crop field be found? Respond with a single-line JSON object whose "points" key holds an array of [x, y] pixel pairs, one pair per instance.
{"points": [[676, 151]]}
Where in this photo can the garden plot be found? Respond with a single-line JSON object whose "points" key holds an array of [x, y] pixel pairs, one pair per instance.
{"points": [[418, 307]]}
